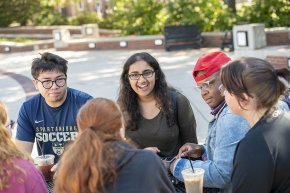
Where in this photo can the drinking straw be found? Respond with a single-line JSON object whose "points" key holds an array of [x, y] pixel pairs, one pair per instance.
{"points": [[191, 166], [40, 148]]}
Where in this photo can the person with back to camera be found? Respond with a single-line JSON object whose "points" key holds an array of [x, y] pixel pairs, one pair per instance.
{"points": [[100, 160], [261, 162], [17, 173], [49, 117], [224, 132], [157, 118]]}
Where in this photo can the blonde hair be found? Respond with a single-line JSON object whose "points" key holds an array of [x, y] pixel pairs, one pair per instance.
{"points": [[8, 151]]}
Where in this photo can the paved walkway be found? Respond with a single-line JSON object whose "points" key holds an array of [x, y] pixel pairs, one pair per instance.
{"points": [[98, 73]]}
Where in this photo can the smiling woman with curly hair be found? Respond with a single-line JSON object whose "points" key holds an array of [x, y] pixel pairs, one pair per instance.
{"points": [[157, 117], [17, 173]]}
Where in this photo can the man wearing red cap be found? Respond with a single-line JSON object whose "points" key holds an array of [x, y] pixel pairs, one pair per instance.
{"points": [[224, 131]]}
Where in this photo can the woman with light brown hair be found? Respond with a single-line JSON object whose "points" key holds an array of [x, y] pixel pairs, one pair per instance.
{"points": [[252, 87], [99, 160], [17, 173]]}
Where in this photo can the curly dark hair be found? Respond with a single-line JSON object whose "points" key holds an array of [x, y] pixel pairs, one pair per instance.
{"points": [[128, 99]]}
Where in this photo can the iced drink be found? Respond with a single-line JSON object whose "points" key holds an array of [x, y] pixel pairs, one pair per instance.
{"points": [[44, 164], [193, 180]]}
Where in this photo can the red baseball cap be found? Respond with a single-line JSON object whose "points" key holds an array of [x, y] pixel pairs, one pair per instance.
{"points": [[210, 63]]}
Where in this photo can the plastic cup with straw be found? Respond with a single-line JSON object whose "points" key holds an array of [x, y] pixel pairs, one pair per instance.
{"points": [[44, 163], [193, 179]]}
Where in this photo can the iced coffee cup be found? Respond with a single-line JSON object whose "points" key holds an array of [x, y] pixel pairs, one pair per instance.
{"points": [[44, 163], [193, 180]]}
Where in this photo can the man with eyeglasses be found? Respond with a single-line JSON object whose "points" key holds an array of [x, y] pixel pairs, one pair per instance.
{"points": [[49, 118], [224, 132]]}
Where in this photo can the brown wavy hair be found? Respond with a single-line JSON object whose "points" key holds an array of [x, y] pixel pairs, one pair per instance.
{"points": [[88, 164], [257, 78], [8, 152]]}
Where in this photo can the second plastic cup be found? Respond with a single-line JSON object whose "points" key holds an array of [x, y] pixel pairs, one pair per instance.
{"points": [[44, 164]]}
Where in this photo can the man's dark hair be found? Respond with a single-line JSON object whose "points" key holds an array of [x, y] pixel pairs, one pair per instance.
{"points": [[48, 62]]}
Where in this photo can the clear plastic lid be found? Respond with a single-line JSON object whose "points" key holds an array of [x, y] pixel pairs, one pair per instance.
{"points": [[44, 160], [188, 172]]}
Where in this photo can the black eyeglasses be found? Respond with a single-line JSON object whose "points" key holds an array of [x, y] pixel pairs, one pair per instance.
{"points": [[146, 74], [10, 125], [47, 84], [206, 85]]}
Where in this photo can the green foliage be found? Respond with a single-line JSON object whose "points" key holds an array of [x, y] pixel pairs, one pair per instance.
{"points": [[18, 40], [47, 15], [19, 11], [59, 3], [107, 23], [210, 15], [148, 17], [138, 17], [273, 13], [142, 17], [85, 18]]}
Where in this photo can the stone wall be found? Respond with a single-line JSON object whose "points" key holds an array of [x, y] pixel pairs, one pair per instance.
{"points": [[279, 61], [278, 36], [107, 40]]}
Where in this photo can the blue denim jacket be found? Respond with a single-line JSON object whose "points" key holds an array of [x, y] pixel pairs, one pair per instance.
{"points": [[281, 104], [224, 133]]}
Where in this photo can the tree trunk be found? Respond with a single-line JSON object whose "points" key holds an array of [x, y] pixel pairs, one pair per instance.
{"points": [[231, 4], [103, 8]]}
